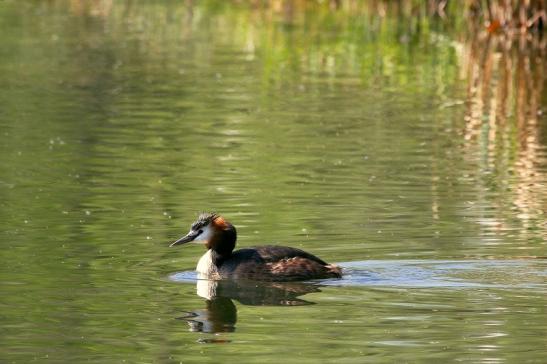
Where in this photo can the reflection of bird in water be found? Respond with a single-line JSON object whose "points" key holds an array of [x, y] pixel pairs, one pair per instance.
{"points": [[257, 293], [265, 263], [220, 313]]}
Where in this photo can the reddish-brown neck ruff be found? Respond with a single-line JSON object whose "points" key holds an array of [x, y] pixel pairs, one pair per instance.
{"points": [[224, 237]]}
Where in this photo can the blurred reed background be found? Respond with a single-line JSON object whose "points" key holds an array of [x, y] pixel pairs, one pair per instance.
{"points": [[500, 47]]}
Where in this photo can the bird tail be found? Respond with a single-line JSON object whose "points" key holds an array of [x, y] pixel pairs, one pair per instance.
{"points": [[335, 270]]}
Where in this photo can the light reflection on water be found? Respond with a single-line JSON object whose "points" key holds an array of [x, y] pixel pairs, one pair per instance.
{"points": [[507, 274]]}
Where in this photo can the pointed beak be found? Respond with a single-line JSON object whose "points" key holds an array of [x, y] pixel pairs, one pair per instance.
{"points": [[186, 239]]}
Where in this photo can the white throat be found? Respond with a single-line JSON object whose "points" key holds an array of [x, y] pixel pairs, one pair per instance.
{"points": [[206, 267]]}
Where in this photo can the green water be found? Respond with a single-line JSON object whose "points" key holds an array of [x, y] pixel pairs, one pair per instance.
{"points": [[365, 141]]}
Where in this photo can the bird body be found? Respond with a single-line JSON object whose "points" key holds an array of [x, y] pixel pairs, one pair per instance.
{"points": [[271, 263]]}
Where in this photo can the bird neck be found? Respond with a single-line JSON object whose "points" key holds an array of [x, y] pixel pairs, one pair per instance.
{"points": [[222, 244]]}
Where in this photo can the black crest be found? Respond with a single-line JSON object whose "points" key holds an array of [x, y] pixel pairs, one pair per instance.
{"points": [[204, 219]]}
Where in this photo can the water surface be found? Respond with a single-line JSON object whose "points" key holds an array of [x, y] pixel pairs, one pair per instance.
{"points": [[413, 155]]}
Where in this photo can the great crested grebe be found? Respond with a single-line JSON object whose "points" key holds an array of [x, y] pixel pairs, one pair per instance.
{"points": [[272, 263]]}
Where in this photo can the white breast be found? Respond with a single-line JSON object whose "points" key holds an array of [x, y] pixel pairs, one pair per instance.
{"points": [[206, 268]]}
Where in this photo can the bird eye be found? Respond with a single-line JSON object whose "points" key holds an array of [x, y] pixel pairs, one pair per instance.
{"points": [[200, 231]]}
